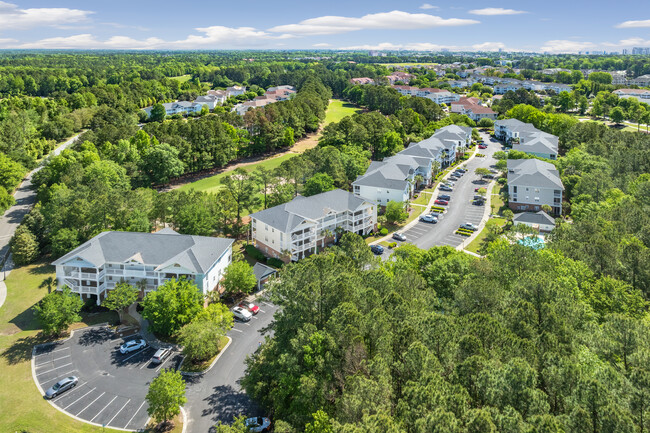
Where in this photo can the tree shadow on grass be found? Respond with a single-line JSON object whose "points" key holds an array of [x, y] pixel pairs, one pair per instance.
{"points": [[21, 350], [42, 269], [26, 320]]}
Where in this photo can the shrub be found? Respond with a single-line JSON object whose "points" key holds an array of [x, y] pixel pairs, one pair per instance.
{"points": [[392, 245], [502, 180], [383, 231], [255, 253], [276, 263]]}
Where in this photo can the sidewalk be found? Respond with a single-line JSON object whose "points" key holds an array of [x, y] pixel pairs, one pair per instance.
{"points": [[5, 270], [144, 327], [484, 220]]}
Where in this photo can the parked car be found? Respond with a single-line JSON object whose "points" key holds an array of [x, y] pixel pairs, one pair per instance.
{"points": [[445, 188], [132, 346], [258, 424], [469, 226], [432, 219], [377, 249], [478, 202], [441, 202], [478, 197], [161, 354], [454, 178], [448, 183], [462, 170], [250, 307], [444, 197], [399, 237], [242, 314], [457, 173], [482, 146], [62, 386]]}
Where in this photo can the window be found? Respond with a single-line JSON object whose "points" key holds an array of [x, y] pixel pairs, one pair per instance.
{"points": [[536, 189], [266, 227], [514, 189]]}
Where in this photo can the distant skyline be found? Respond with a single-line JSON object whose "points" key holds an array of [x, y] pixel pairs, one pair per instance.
{"points": [[551, 26]]}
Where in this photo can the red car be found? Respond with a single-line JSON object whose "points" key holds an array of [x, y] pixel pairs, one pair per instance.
{"points": [[254, 309], [441, 202], [482, 146]]}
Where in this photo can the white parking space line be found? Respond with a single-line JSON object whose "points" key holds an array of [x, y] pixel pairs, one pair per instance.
{"points": [[58, 376], [254, 317], [262, 311], [118, 412], [129, 357], [89, 404], [51, 352], [136, 412], [247, 324], [267, 304], [79, 398], [103, 409], [53, 369], [238, 330], [56, 359]]}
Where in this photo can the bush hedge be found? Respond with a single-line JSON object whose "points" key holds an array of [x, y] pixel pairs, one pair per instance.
{"points": [[383, 231], [255, 253], [276, 263]]}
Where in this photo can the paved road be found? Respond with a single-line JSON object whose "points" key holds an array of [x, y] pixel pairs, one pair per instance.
{"points": [[25, 198], [460, 209], [217, 395]]}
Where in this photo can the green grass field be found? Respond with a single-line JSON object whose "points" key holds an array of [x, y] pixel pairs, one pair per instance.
{"points": [[182, 78], [477, 243], [213, 183], [23, 407], [338, 109]]}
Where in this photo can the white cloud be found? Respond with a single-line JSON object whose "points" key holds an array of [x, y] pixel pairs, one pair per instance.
{"points": [[566, 46], [496, 11], [322, 44], [428, 6], [427, 46], [220, 36], [633, 24], [13, 17], [328, 25]]}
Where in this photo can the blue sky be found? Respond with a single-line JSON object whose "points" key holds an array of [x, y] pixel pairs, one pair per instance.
{"points": [[553, 26]]}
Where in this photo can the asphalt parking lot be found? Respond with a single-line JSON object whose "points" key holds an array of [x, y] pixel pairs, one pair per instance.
{"points": [[111, 386]]}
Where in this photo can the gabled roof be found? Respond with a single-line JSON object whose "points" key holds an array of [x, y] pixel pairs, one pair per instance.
{"points": [[162, 249], [286, 217], [262, 271], [540, 217], [533, 172]]}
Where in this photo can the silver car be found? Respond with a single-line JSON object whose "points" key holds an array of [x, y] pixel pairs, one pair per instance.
{"points": [[62, 386]]}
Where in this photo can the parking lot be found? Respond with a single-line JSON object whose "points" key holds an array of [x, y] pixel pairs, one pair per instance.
{"points": [[111, 386], [460, 209]]}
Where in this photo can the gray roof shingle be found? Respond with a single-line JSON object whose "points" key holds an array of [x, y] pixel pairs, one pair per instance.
{"points": [[533, 172], [197, 253]]}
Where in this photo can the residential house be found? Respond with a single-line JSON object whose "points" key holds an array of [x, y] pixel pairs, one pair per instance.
{"points": [[503, 88], [400, 76], [362, 80], [235, 91], [641, 95], [642, 81], [557, 87], [304, 225], [220, 95], [526, 138], [210, 100], [473, 109], [272, 95], [533, 183], [537, 220], [144, 260]]}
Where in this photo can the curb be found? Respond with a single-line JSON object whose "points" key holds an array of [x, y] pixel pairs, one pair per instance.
{"points": [[482, 224], [40, 389], [201, 373]]}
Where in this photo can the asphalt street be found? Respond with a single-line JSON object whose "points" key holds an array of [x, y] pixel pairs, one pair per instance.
{"points": [[25, 198], [460, 209], [217, 395]]}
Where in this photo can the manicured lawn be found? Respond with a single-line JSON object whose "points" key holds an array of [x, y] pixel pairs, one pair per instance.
{"points": [[477, 243], [415, 212], [182, 78], [213, 183], [496, 202], [178, 426], [23, 407], [338, 109], [423, 198]]}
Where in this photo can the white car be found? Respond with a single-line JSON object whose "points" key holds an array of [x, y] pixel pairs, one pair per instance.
{"points": [[133, 345], [242, 314], [469, 226], [258, 424]]}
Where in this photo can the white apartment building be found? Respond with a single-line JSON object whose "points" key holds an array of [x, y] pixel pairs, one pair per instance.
{"points": [[302, 227], [144, 260], [533, 183], [526, 138]]}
